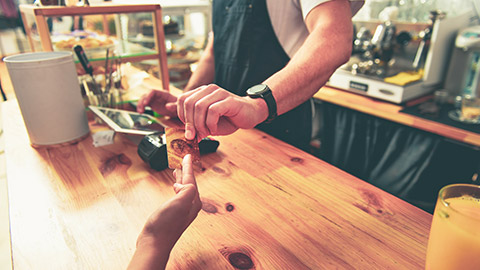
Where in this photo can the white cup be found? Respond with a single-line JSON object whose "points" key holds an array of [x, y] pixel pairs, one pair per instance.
{"points": [[48, 94]]}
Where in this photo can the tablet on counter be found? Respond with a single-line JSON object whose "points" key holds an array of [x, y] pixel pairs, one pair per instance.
{"points": [[129, 122]]}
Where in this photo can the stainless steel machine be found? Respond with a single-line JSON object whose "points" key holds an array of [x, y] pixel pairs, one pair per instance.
{"points": [[385, 66], [464, 71]]}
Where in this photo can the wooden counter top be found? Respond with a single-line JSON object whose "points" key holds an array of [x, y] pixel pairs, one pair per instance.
{"points": [[266, 204], [392, 112]]}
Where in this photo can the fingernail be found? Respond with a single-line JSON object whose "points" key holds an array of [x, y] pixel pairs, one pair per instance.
{"points": [[177, 186], [188, 134]]}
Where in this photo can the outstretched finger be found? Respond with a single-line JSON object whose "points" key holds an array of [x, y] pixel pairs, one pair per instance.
{"points": [[187, 171], [177, 173], [185, 183], [189, 180]]}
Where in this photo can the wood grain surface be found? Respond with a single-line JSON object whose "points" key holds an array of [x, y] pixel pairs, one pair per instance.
{"points": [[266, 205], [392, 112]]}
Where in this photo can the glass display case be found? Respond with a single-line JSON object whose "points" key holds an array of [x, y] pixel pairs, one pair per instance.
{"points": [[102, 30], [128, 30], [186, 26]]}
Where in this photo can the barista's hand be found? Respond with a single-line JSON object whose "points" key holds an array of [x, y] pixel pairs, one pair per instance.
{"points": [[165, 226], [161, 101], [211, 110]]}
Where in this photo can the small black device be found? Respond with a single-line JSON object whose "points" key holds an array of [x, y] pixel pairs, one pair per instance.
{"points": [[263, 91], [153, 150]]}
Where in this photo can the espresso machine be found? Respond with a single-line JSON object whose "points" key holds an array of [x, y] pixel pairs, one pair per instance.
{"points": [[398, 66], [462, 76], [468, 40]]}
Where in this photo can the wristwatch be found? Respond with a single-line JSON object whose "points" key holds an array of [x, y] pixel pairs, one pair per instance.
{"points": [[263, 91]]}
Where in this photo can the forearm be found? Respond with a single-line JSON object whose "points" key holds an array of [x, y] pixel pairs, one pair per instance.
{"points": [[149, 257], [327, 47], [205, 71]]}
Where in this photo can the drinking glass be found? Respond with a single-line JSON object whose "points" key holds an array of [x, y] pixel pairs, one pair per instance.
{"points": [[454, 241], [471, 108]]}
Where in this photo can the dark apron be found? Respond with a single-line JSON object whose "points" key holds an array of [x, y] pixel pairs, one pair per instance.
{"points": [[247, 52]]}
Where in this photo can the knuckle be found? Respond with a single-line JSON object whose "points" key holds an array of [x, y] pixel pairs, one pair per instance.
{"points": [[199, 106], [182, 98], [212, 85], [219, 91], [212, 110], [189, 101]]}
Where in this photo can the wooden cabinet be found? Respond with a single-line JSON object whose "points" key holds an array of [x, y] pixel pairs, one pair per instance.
{"points": [[41, 23]]}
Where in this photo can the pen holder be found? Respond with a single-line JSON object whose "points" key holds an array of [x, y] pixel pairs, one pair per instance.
{"points": [[101, 100], [96, 93]]}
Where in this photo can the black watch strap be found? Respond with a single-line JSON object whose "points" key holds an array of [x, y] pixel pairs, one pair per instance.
{"points": [[264, 92]]}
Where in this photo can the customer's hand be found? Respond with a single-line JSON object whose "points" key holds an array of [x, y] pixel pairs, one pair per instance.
{"points": [[165, 226], [161, 101], [211, 110]]}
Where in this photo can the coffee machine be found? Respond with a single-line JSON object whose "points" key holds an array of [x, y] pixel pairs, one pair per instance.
{"points": [[463, 77], [385, 66]]}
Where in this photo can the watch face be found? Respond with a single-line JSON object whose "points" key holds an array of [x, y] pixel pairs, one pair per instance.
{"points": [[257, 89]]}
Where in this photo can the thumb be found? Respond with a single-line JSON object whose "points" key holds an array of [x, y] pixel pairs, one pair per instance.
{"points": [[189, 131]]}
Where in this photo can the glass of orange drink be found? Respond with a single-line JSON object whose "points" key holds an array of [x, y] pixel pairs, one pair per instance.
{"points": [[454, 241]]}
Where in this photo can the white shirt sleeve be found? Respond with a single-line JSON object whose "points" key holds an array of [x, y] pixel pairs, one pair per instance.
{"points": [[288, 20], [308, 5]]}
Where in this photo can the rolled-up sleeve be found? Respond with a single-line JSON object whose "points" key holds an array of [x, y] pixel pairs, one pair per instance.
{"points": [[308, 5]]}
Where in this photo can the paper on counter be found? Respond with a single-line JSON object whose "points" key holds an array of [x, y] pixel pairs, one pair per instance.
{"points": [[104, 137]]}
